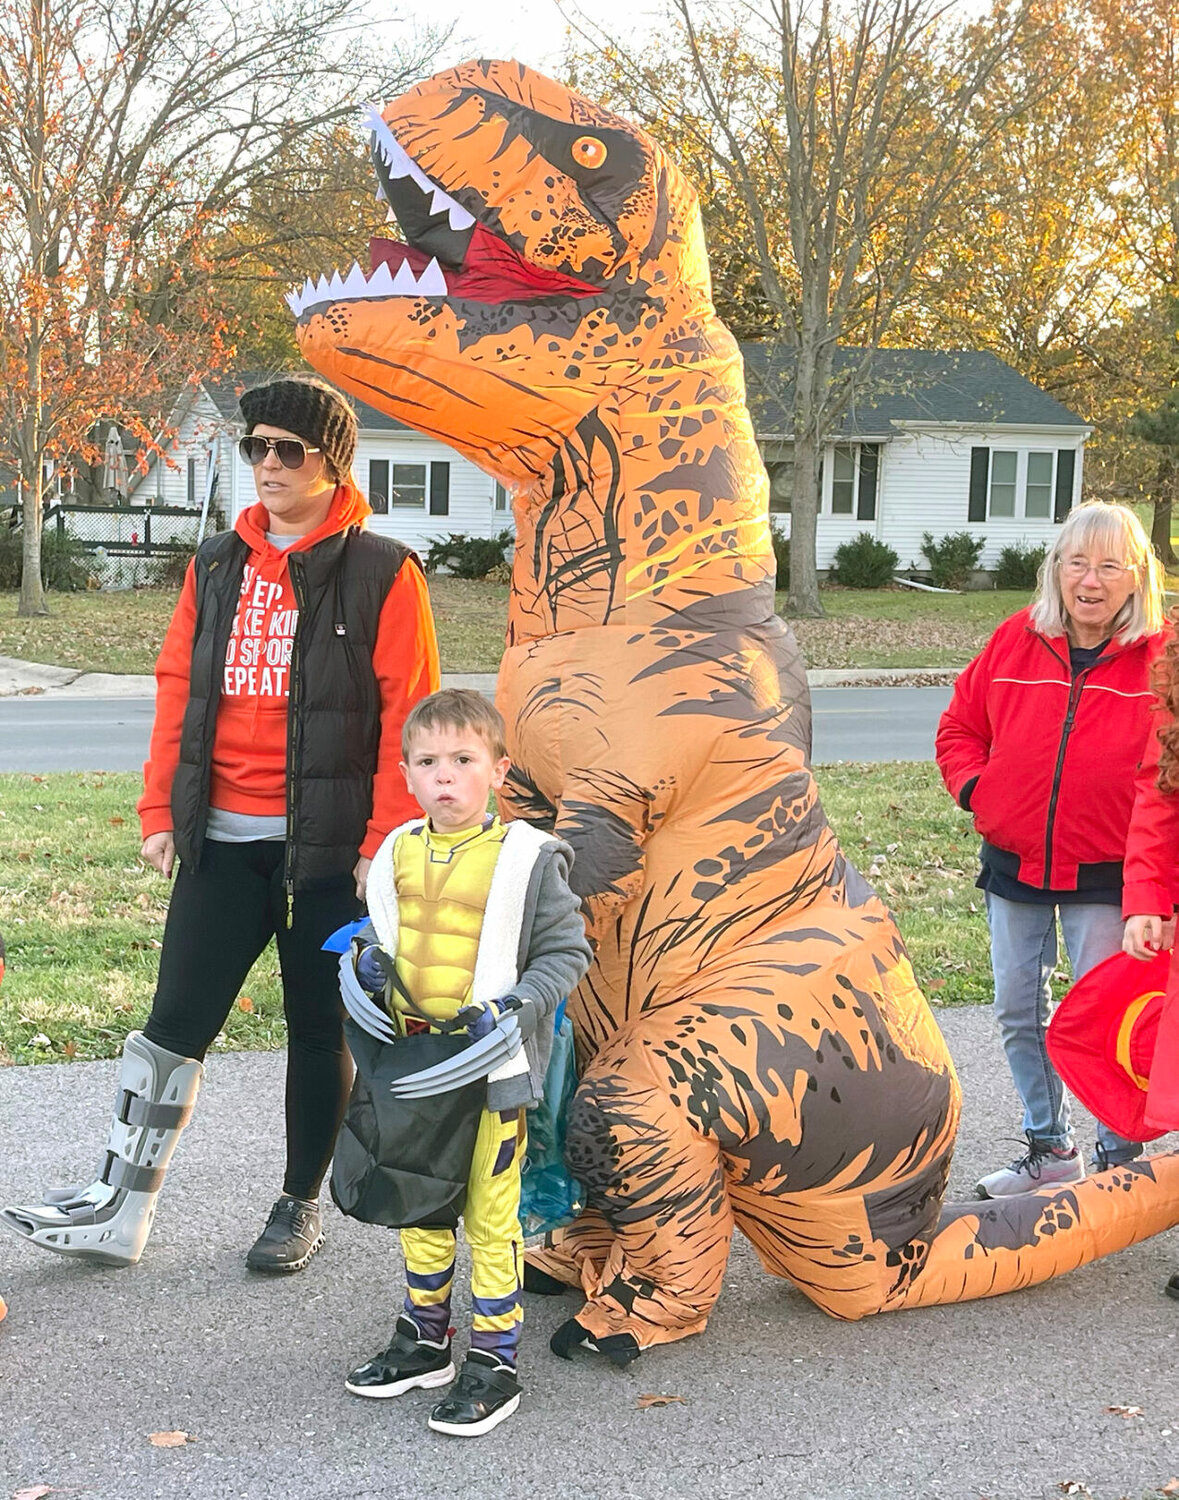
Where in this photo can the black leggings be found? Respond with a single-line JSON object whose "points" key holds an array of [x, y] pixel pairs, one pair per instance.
{"points": [[220, 919]]}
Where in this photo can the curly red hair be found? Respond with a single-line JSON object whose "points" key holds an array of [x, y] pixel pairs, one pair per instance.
{"points": [[1165, 681]]}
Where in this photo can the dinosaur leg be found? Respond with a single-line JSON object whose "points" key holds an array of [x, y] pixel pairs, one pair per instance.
{"points": [[575, 1255], [650, 1253]]}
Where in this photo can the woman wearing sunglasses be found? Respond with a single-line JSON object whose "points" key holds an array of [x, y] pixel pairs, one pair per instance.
{"points": [[299, 644], [1041, 742]]}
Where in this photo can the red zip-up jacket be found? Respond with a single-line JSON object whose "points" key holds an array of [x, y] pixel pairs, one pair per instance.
{"points": [[1054, 757], [1151, 886]]}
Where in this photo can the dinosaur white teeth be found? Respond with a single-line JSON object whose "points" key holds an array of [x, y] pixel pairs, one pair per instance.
{"points": [[399, 164], [405, 283], [432, 283], [336, 286], [355, 283], [294, 301], [380, 283]]}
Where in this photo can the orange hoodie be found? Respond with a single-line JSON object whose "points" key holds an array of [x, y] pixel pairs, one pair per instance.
{"points": [[250, 742]]}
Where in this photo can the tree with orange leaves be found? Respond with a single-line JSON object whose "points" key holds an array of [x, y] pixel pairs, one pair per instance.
{"points": [[129, 130]]}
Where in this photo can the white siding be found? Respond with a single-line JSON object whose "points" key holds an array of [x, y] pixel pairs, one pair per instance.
{"points": [[167, 483], [923, 484], [472, 493]]}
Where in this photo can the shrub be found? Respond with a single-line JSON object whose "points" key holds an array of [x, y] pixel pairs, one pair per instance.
{"points": [[953, 559], [167, 570], [781, 556], [65, 563], [1019, 566], [864, 563], [468, 556]]}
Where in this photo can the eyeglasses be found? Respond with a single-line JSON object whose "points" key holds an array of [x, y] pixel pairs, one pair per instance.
{"points": [[290, 452], [1108, 572]]}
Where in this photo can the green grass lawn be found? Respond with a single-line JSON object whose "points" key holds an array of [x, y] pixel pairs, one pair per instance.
{"points": [[121, 632], [83, 918]]}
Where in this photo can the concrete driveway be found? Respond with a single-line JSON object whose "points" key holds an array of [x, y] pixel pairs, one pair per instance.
{"points": [[1004, 1399]]}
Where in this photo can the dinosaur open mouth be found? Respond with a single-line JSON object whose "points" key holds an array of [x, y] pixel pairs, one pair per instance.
{"points": [[446, 252]]}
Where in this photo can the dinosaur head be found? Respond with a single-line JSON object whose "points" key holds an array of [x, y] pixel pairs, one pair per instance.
{"points": [[543, 247]]}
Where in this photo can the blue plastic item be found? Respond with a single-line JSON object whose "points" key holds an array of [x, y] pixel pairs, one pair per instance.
{"points": [[549, 1197]]}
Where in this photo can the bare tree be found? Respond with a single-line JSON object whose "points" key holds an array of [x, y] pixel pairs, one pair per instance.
{"points": [[843, 132], [127, 129]]}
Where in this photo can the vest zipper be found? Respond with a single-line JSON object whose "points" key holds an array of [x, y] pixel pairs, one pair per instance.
{"points": [[294, 738], [1074, 700]]}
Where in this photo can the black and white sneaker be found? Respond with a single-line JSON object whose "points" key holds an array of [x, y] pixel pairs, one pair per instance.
{"points": [[484, 1395], [293, 1234], [408, 1362]]}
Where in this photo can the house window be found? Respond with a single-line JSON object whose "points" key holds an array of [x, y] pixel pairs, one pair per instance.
{"points": [[781, 486], [1037, 499], [378, 485], [843, 481], [1003, 467], [501, 498], [407, 486]]}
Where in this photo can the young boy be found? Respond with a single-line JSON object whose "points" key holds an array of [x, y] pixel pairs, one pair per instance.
{"points": [[428, 892]]}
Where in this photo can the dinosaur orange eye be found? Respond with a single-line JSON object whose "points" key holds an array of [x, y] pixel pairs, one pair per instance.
{"points": [[588, 151]]}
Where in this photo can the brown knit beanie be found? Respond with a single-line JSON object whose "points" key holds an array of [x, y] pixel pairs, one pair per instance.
{"points": [[312, 410]]}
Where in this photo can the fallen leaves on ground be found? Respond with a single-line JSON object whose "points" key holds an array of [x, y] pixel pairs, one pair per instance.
{"points": [[34, 1492], [245, 1003], [170, 1439], [1073, 1487], [1125, 1411], [652, 1400], [1170, 1488]]}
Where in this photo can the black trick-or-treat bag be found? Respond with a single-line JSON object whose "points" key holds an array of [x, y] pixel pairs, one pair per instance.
{"points": [[405, 1162]]}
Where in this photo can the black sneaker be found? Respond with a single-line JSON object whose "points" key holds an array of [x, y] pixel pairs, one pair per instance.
{"points": [[292, 1235], [484, 1395], [409, 1361]]}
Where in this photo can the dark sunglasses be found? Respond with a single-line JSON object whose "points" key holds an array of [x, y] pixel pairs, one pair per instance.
{"points": [[290, 452]]}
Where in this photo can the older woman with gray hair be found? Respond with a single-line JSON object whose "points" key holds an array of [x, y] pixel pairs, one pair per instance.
{"points": [[1040, 742]]}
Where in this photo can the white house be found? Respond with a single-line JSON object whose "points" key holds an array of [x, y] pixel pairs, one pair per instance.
{"points": [[419, 488], [940, 441], [931, 441]]}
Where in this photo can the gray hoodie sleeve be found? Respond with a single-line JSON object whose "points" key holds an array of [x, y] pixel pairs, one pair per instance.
{"points": [[558, 951]]}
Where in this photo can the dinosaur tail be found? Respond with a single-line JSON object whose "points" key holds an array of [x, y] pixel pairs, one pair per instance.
{"points": [[1001, 1245]]}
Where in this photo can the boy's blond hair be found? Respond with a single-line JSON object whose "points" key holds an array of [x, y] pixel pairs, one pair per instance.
{"points": [[457, 709]]}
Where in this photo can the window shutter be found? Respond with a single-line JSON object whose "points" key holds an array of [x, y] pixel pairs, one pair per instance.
{"points": [[1066, 467], [980, 459], [869, 468], [440, 488], [378, 485]]}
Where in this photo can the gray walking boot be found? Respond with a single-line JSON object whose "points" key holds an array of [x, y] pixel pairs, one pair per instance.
{"points": [[109, 1221]]}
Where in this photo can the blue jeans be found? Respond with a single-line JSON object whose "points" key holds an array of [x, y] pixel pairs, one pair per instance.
{"points": [[1023, 956]]}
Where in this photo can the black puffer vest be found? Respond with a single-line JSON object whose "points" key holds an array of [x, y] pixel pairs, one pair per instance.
{"points": [[334, 708]]}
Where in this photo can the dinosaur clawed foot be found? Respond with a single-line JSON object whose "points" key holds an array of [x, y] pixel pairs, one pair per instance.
{"points": [[621, 1349]]}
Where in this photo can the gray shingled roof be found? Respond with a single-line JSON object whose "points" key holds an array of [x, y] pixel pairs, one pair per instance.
{"points": [[905, 385], [224, 394]]}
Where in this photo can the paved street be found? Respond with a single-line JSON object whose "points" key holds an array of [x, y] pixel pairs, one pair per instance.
{"points": [[1003, 1399], [110, 734]]}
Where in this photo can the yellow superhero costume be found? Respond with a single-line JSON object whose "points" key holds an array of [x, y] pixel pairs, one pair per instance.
{"points": [[442, 882]]}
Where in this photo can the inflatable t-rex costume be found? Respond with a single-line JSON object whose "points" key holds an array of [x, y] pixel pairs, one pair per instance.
{"points": [[757, 1052]]}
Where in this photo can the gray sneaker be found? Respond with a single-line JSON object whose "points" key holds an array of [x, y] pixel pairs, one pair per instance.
{"points": [[1041, 1166]]}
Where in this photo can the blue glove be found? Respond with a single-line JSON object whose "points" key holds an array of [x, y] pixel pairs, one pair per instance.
{"points": [[481, 1020], [369, 970]]}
